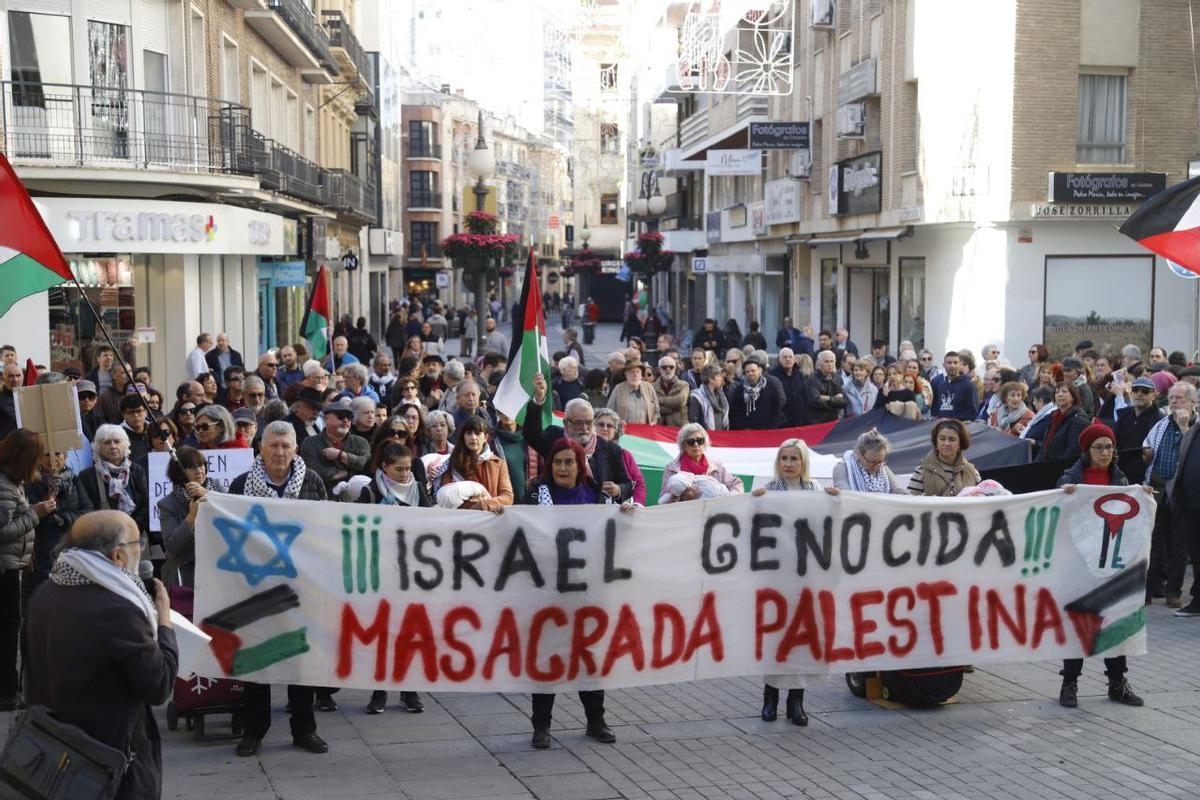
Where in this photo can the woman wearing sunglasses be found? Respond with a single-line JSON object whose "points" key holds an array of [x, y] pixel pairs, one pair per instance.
{"points": [[184, 417], [215, 430], [693, 464]]}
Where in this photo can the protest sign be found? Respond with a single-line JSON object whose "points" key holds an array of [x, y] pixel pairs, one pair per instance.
{"points": [[51, 410], [223, 467], [550, 599]]}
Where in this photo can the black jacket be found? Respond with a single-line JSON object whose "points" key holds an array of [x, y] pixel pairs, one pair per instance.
{"points": [[606, 463], [755, 339], [51, 529], [710, 340], [212, 358], [1065, 443], [768, 412], [362, 345], [91, 656], [138, 489], [8, 412], [1131, 430], [1075, 475], [796, 404], [824, 410]]}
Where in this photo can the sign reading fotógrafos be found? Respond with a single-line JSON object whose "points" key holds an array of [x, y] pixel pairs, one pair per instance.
{"points": [[550, 599]]}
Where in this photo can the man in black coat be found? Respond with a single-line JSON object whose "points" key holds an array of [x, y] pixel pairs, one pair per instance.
{"points": [[824, 396], [608, 468], [222, 357], [759, 402], [710, 337], [94, 657], [1132, 426], [303, 415], [791, 379]]}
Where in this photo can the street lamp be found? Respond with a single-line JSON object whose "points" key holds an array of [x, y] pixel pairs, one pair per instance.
{"points": [[481, 163]]}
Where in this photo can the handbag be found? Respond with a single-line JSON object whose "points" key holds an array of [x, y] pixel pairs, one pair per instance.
{"points": [[48, 759]]}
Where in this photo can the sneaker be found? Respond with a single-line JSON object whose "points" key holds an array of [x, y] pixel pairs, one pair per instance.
{"points": [[1192, 609], [325, 702], [1068, 695], [1122, 692], [378, 702], [411, 702]]}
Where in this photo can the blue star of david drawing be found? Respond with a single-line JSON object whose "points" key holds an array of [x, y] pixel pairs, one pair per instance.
{"points": [[237, 533]]}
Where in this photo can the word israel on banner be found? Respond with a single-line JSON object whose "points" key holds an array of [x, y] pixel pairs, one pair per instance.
{"points": [[550, 599], [223, 467]]}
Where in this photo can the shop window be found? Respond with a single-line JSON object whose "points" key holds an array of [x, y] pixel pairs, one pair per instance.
{"points": [[74, 332], [829, 297], [912, 301], [1101, 126], [608, 209]]}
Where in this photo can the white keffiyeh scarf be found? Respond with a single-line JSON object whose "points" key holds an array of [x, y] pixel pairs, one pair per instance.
{"points": [[258, 485], [863, 481], [80, 567]]}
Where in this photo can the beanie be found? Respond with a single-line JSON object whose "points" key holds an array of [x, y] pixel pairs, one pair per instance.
{"points": [[1097, 430]]}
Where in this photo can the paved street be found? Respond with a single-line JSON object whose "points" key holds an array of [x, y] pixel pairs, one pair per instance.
{"points": [[1005, 738]]}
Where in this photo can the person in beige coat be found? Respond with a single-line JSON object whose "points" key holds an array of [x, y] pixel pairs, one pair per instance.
{"points": [[672, 393], [634, 400]]}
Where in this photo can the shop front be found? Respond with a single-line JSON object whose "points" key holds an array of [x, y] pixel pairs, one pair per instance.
{"points": [[157, 272]]}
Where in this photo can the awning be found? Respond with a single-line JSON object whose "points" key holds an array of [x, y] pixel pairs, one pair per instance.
{"points": [[856, 236], [735, 137]]}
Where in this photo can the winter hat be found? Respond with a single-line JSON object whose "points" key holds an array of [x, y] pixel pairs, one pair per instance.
{"points": [[1163, 380], [1097, 430]]}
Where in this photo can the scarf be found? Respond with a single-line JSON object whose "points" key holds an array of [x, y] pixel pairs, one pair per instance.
{"points": [[259, 485], [751, 393], [80, 567], [392, 493], [554, 495], [694, 466], [784, 485], [1056, 419], [179, 493], [862, 481], [1007, 417], [115, 482], [1044, 412]]}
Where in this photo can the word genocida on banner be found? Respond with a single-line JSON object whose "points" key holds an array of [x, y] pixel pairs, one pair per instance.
{"points": [[594, 597]]}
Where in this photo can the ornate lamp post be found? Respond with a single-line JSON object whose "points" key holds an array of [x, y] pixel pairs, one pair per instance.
{"points": [[481, 163]]}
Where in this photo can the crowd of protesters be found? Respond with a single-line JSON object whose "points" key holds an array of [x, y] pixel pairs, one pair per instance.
{"points": [[403, 423]]}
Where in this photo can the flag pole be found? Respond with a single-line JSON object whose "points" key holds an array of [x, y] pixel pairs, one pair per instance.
{"points": [[151, 414]]}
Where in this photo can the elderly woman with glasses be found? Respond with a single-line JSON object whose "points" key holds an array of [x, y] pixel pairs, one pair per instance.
{"points": [[692, 475], [609, 427], [791, 475], [113, 481], [1097, 466], [215, 430], [864, 469]]}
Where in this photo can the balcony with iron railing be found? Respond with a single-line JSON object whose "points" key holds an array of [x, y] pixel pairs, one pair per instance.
{"points": [[99, 127], [298, 176], [351, 195], [342, 38], [423, 148], [304, 28], [424, 200]]}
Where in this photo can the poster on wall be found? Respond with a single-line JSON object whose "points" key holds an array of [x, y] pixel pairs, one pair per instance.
{"points": [[1081, 303]]}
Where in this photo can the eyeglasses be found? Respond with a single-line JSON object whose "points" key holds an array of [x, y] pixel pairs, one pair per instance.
{"points": [[1102, 448], [697, 441], [581, 423], [927, 358], [137, 542], [870, 463], [205, 427], [234, 379], [666, 367], [1142, 390], [606, 425], [256, 395], [733, 361], [1033, 352], [242, 424], [188, 410]]}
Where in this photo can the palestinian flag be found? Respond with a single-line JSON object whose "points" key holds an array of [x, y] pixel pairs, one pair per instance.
{"points": [[30, 261], [528, 354], [315, 327], [1169, 224]]}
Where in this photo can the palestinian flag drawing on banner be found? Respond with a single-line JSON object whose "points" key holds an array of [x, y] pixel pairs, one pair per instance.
{"points": [[318, 315], [30, 261], [1168, 223], [528, 354]]}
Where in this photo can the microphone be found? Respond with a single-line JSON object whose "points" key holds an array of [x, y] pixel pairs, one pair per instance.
{"points": [[146, 573]]}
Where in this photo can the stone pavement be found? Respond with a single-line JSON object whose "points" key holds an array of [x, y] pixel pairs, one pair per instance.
{"points": [[1006, 737]]}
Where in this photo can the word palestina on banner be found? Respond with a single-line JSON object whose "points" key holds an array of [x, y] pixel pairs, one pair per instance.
{"points": [[550, 599]]}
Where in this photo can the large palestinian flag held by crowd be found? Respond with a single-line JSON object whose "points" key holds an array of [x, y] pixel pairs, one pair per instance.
{"points": [[1168, 223], [751, 454]]}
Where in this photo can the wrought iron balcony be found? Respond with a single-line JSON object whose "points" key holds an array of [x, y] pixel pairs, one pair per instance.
{"points": [[341, 35], [298, 176], [420, 148], [351, 195], [424, 200], [93, 126], [304, 24]]}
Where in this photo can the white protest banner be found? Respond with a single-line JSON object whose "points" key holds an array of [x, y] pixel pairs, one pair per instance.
{"points": [[550, 599], [223, 467]]}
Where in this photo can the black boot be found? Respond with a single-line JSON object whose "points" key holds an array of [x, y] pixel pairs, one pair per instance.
{"points": [[1068, 695], [770, 709], [795, 707]]}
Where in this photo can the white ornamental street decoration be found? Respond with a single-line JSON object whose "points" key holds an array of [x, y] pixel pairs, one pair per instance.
{"points": [[761, 62]]}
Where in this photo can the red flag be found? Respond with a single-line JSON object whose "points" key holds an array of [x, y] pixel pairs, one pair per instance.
{"points": [[31, 373]]}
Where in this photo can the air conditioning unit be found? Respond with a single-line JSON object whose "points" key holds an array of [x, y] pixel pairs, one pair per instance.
{"points": [[852, 121], [823, 13], [800, 164]]}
